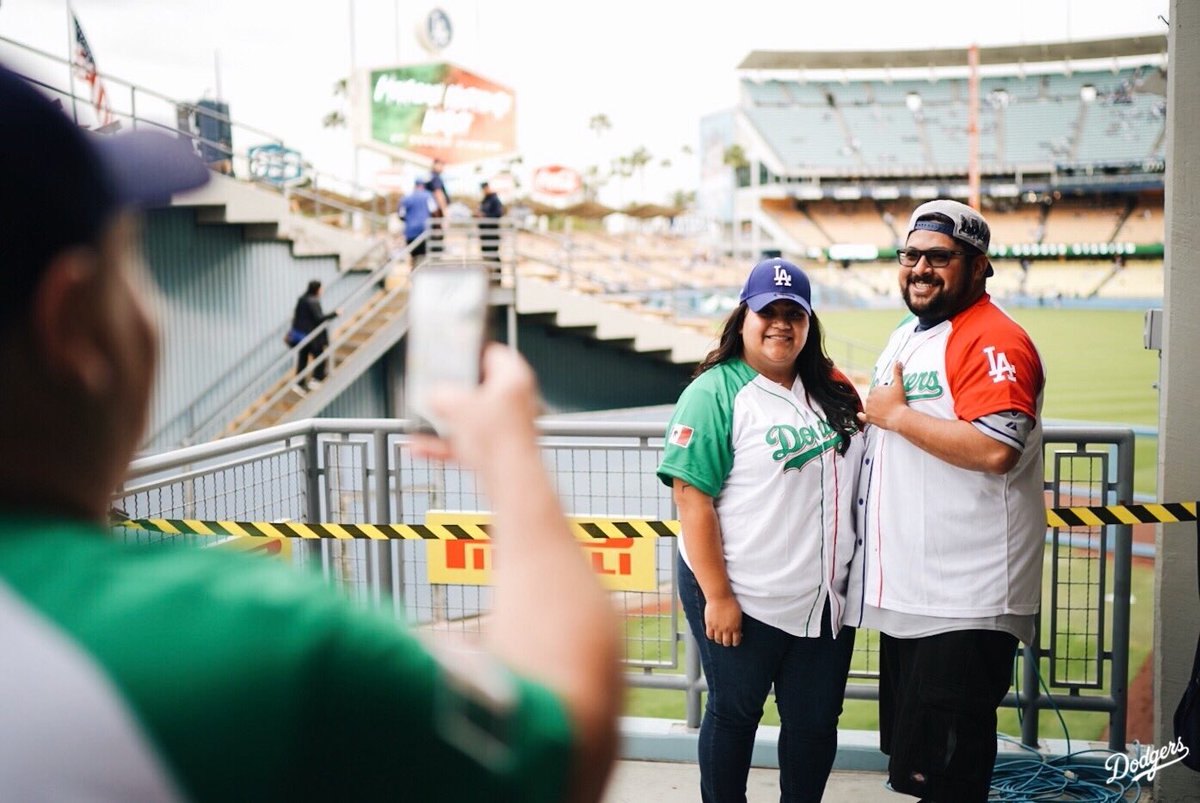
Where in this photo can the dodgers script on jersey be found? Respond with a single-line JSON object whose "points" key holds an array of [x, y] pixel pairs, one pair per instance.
{"points": [[769, 460], [939, 540]]}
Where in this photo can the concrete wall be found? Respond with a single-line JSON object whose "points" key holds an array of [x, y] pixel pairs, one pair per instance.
{"points": [[220, 296], [1175, 598]]}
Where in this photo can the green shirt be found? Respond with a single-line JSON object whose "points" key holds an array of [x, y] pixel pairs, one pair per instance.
{"points": [[252, 681]]}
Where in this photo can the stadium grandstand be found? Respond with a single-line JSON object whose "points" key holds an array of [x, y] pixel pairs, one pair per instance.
{"points": [[1060, 144]]}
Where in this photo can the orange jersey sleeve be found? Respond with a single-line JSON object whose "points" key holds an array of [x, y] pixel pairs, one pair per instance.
{"points": [[992, 364]]}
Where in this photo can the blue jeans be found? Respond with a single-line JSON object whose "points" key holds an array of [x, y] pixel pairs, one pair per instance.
{"points": [[809, 675]]}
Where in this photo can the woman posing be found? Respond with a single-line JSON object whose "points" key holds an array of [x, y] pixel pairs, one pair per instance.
{"points": [[762, 455]]}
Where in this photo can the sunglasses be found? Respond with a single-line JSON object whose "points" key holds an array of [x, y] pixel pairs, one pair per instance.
{"points": [[934, 257]]}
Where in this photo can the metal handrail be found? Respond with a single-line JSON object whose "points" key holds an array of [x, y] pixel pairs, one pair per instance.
{"points": [[363, 291], [135, 89], [268, 341], [183, 466]]}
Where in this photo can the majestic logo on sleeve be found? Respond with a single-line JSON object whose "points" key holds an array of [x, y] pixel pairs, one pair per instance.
{"points": [[806, 443], [1000, 368], [681, 435], [922, 386]]}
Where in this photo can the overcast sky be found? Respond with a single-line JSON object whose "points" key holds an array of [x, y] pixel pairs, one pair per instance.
{"points": [[655, 67]]}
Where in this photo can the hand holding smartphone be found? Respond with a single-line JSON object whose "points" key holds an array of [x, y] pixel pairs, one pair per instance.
{"points": [[447, 311]]}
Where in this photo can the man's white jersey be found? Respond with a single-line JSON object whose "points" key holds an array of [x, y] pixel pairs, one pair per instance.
{"points": [[939, 540], [782, 493]]}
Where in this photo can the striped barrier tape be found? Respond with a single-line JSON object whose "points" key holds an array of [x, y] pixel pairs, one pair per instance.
{"points": [[440, 526]]}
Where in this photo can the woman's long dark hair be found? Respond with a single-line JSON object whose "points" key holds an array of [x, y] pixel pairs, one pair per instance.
{"points": [[838, 399]]}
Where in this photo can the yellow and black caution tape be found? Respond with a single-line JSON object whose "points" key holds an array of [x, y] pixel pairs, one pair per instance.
{"points": [[437, 527], [474, 526], [1165, 513]]}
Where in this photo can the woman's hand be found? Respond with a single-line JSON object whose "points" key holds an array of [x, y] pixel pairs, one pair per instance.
{"points": [[723, 621]]}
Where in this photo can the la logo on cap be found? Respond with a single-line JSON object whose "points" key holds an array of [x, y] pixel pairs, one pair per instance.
{"points": [[782, 277]]}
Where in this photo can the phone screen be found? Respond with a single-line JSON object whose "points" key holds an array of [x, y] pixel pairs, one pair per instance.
{"points": [[447, 312]]}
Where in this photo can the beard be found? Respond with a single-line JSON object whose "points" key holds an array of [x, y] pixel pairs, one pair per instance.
{"points": [[940, 303]]}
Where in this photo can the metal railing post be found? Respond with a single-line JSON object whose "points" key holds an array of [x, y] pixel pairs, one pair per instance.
{"points": [[312, 489], [1122, 588], [379, 555], [1030, 692]]}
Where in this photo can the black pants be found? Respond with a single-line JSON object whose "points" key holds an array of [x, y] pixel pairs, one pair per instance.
{"points": [[937, 711], [314, 349]]}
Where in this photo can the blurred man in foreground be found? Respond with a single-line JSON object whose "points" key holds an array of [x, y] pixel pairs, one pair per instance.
{"points": [[169, 674]]}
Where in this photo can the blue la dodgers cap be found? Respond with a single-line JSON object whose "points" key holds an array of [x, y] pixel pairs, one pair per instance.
{"points": [[61, 186], [774, 279]]}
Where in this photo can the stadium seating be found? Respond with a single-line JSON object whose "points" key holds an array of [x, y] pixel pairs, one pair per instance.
{"points": [[1033, 120], [1145, 222], [1083, 220], [852, 222]]}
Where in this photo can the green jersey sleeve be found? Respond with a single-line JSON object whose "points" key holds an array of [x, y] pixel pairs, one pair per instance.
{"points": [[256, 682], [699, 438]]}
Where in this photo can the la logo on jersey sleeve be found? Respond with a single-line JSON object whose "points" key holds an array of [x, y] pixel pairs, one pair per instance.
{"points": [[999, 368], [681, 435]]}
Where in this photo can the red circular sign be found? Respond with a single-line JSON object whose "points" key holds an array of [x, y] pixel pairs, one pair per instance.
{"points": [[557, 180]]}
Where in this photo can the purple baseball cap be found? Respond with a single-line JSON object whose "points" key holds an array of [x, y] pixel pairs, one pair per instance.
{"points": [[774, 279], [60, 186]]}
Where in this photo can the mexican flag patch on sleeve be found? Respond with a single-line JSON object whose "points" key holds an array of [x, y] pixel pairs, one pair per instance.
{"points": [[681, 435]]}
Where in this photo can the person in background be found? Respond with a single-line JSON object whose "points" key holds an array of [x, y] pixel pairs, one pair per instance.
{"points": [[441, 201], [762, 455], [415, 209], [490, 208], [134, 670], [307, 316], [951, 511]]}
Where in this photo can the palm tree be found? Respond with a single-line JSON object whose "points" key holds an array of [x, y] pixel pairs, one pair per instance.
{"points": [[637, 162], [337, 117], [735, 157], [600, 124], [683, 199]]}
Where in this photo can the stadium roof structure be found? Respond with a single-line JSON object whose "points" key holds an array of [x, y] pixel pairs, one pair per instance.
{"points": [[953, 57]]}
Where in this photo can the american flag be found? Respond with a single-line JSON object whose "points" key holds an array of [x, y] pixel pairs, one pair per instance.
{"points": [[85, 68]]}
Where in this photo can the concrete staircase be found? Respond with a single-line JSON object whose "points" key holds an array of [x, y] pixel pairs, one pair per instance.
{"points": [[645, 332], [355, 346], [265, 215]]}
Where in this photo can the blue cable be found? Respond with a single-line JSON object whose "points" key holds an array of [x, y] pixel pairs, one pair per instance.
{"points": [[1065, 778]]}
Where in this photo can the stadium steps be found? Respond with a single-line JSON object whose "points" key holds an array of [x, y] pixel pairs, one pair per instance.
{"points": [[265, 215], [354, 347], [816, 224], [851, 141], [1077, 130], [1130, 204], [923, 135], [644, 330]]}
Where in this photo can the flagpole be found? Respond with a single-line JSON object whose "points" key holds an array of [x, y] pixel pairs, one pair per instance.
{"points": [[71, 58]]}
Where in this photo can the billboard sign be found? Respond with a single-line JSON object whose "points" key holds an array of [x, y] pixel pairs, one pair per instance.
{"points": [[436, 111], [555, 185]]}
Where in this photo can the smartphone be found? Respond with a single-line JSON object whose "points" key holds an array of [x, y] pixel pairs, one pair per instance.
{"points": [[447, 315]]}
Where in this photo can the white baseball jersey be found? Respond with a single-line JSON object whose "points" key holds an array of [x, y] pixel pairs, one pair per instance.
{"points": [[782, 493], [938, 540]]}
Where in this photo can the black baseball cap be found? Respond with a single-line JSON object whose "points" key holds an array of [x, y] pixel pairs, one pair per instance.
{"points": [[60, 186]]}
